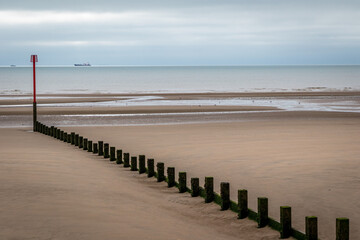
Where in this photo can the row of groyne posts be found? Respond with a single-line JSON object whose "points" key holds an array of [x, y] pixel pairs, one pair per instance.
{"points": [[241, 207]]}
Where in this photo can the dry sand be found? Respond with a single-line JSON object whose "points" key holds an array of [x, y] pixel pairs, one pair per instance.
{"points": [[50, 190], [307, 161]]}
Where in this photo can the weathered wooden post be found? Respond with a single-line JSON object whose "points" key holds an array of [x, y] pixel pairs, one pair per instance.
{"points": [[150, 167], [171, 176], [119, 156], [243, 204], [112, 154], [85, 147], [285, 221], [77, 140], [61, 135], [160, 171], [195, 187], [55, 132], [101, 148], [342, 229], [72, 138], [133, 163], [142, 168], [69, 137], [311, 228], [58, 133], [106, 150], [90, 144], [209, 189], [65, 137], [262, 217], [182, 182], [126, 160], [225, 195], [81, 141], [96, 149], [52, 131]]}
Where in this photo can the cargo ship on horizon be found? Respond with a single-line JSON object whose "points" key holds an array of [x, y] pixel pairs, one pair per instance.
{"points": [[82, 64]]}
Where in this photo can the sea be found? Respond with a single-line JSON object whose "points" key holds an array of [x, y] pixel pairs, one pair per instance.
{"points": [[17, 83], [175, 79]]}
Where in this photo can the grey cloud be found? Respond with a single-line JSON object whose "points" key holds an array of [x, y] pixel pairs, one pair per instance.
{"points": [[198, 32]]}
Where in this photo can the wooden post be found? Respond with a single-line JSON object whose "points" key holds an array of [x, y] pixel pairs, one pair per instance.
{"points": [[106, 150], [285, 221], [133, 163], [72, 138], [119, 156], [96, 149], [150, 167], [61, 135], [112, 154], [85, 147], [51, 131], [182, 182], [126, 160], [76, 139], [262, 217], [160, 171], [225, 195], [58, 133], [243, 203], [81, 141], [101, 148], [65, 137], [90, 144], [171, 176], [209, 189], [342, 229], [311, 228], [142, 168], [195, 187]]}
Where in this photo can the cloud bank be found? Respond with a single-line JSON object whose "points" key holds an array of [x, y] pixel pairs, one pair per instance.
{"points": [[185, 33]]}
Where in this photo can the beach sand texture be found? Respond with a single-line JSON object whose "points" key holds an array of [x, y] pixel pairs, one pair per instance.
{"points": [[51, 190], [308, 163], [308, 160]]}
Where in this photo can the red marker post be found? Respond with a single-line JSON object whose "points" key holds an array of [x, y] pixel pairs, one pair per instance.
{"points": [[34, 59]]}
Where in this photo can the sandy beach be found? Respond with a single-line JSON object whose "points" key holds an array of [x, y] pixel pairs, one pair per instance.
{"points": [[51, 190], [305, 159]]}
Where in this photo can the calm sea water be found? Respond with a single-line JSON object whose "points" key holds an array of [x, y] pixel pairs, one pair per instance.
{"points": [[18, 80]]}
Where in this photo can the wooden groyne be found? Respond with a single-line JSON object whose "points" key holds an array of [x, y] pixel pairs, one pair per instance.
{"points": [[207, 192]]}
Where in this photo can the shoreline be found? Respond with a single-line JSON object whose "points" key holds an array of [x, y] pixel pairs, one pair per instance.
{"points": [[182, 102]]}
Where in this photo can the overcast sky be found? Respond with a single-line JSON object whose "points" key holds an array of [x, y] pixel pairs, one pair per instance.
{"points": [[186, 32]]}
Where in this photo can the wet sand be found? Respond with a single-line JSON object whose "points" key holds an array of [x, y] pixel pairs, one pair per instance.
{"points": [[51, 190], [79, 98]]}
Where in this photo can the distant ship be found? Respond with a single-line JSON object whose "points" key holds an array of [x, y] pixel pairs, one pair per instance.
{"points": [[12, 65], [82, 64]]}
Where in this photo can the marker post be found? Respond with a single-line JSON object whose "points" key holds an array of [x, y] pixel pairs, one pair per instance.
{"points": [[34, 59]]}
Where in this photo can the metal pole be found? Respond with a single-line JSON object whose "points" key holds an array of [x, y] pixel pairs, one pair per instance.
{"points": [[34, 59]]}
